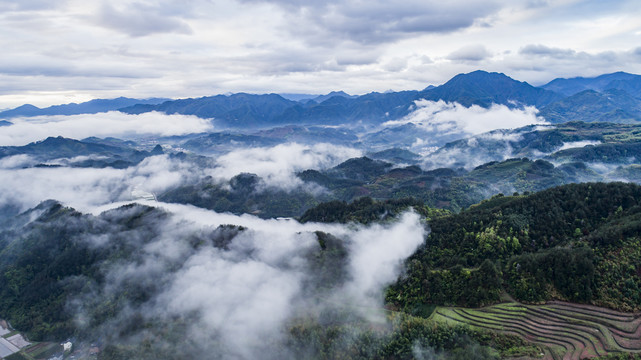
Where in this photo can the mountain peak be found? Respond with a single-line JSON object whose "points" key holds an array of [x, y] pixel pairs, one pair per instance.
{"points": [[23, 110], [340, 93], [482, 75], [27, 107], [486, 88], [90, 107]]}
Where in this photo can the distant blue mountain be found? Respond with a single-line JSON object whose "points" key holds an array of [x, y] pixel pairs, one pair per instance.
{"points": [[57, 148], [237, 110], [298, 97], [24, 110], [317, 98], [615, 100], [612, 105], [372, 108], [484, 89], [629, 83], [89, 107], [321, 98], [264, 111], [5, 123]]}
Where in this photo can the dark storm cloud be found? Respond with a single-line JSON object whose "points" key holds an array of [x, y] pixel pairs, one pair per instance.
{"points": [[558, 54], [379, 21], [542, 50], [140, 19], [28, 5], [138, 48], [470, 53], [48, 70]]}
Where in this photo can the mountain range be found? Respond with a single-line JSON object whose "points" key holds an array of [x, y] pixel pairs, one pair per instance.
{"points": [[611, 97], [315, 227], [89, 107]]}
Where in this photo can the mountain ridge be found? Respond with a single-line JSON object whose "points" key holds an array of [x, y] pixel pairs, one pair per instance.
{"points": [[88, 107], [477, 88], [617, 80]]}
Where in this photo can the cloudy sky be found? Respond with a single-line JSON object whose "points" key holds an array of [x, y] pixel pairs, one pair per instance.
{"points": [[74, 50]]}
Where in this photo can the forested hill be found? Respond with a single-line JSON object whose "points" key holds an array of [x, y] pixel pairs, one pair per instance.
{"points": [[577, 242]]}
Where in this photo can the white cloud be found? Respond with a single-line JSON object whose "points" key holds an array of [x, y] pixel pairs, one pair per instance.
{"points": [[277, 165], [71, 50], [113, 123], [453, 118], [17, 161], [377, 252], [470, 53], [244, 294], [140, 19], [497, 145], [83, 188], [380, 21], [578, 144], [86, 188]]}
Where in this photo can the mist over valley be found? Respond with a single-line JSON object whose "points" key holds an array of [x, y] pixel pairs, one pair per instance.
{"points": [[255, 226]]}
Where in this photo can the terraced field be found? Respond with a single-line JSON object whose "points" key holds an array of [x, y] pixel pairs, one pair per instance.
{"points": [[562, 330]]}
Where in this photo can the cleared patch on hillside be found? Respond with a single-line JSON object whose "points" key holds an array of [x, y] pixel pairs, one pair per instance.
{"points": [[563, 330]]}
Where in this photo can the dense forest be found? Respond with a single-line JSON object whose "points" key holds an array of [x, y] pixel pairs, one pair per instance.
{"points": [[577, 243], [554, 244], [569, 242]]}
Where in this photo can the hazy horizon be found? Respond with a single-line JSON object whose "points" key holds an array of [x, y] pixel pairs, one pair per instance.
{"points": [[73, 51]]}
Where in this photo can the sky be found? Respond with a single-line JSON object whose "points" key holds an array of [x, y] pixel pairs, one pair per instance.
{"points": [[65, 51]]}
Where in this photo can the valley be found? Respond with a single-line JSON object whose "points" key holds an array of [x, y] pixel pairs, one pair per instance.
{"points": [[482, 218]]}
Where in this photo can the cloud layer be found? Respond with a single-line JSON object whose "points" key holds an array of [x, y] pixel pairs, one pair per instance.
{"points": [[113, 123], [245, 293], [75, 50], [86, 188], [278, 165], [444, 118]]}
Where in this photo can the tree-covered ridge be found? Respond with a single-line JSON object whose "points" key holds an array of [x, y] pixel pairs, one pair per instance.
{"points": [[365, 210], [538, 247], [576, 242], [44, 261], [552, 244], [363, 177]]}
